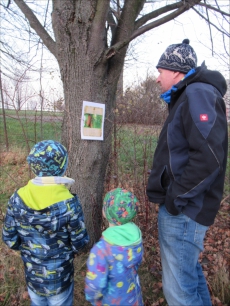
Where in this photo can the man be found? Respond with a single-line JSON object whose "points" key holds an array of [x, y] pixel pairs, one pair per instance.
{"points": [[187, 177]]}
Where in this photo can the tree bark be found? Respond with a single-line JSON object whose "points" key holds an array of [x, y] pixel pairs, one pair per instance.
{"points": [[86, 77]]}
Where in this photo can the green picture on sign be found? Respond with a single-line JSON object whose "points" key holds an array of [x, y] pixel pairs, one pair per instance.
{"points": [[93, 121]]}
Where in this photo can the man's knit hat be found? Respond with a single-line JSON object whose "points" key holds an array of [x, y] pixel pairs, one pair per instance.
{"points": [[120, 206], [48, 158], [178, 57]]}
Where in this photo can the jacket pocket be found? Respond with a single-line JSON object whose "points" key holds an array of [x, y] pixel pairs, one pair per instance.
{"points": [[165, 179]]}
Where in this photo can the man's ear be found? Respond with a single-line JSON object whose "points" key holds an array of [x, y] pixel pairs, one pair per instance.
{"points": [[176, 74]]}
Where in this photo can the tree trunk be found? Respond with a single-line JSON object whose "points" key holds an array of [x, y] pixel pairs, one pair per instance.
{"points": [[85, 77], [90, 71]]}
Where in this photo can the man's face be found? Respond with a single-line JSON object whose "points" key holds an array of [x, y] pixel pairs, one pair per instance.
{"points": [[166, 79]]}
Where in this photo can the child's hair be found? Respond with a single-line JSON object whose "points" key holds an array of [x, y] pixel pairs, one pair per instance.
{"points": [[48, 158], [120, 206]]}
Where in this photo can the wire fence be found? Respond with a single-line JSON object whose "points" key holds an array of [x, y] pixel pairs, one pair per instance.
{"points": [[135, 136], [135, 132]]}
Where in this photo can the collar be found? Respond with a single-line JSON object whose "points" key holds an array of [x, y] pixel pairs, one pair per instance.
{"points": [[52, 180], [166, 96]]}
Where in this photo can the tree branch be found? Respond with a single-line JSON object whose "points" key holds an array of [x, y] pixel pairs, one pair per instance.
{"points": [[97, 35], [209, 26], [8, 4], [214, 9], [36, 25], [126, 22], [159, 22], [182, 7], [225, 33], [115, 48], [140, 22], [112, 22], [225, 48]]}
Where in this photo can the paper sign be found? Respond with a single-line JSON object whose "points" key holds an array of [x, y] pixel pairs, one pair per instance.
{"points": [[92, 123]]}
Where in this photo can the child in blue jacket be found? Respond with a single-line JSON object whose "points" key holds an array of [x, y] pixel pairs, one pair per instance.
{"points": [[46, 223], [113, 262]]}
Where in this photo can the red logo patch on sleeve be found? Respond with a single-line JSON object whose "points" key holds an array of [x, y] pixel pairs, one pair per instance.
{"points": [[203, 117]]}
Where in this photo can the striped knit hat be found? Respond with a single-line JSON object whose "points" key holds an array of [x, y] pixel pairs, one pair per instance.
{"points": [[178, 57]]}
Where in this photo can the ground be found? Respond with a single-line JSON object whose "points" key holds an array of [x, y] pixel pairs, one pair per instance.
{"points": [[215, 258]]}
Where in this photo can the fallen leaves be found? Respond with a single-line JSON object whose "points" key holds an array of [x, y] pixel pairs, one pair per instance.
{"points": [[25, 295], [215, 258]]}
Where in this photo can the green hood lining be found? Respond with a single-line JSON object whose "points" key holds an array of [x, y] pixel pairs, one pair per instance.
{"points": [[123, 235], [39, 197]]}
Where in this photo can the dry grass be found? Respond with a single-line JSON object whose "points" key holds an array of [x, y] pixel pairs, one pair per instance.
{"points": [[220, 285], [14, 173], [13, 291], [13, 286]]}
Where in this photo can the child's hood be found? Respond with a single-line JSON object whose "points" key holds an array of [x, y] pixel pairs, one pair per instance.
{"points": [[39, 197], [125, 242], [47, 220], [123, 235]]}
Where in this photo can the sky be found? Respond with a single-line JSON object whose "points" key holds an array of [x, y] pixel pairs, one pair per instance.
{"points": [[146, 50], [149, 48]]}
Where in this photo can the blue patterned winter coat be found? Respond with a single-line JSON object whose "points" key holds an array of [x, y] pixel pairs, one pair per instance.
{"points": [[47, 239], [112, 266]]}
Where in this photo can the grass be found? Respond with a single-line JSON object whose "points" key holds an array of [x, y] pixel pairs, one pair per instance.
{"points": [[14, 172], [135, 149], [24, 133], [28, 113], [221, 284]]}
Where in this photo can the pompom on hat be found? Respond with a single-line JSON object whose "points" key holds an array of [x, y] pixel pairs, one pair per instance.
{"points": [[120, 206], [178, 57], [48, 158]]}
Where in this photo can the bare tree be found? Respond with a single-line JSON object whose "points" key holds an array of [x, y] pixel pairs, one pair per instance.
{"points": [[141, 104], [90, 41]]}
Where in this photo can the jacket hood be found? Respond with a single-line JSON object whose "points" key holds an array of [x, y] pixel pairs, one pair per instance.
{"points": [[39, 197], [204, 75], [124, 235], [47, 220], [125, 242]]}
